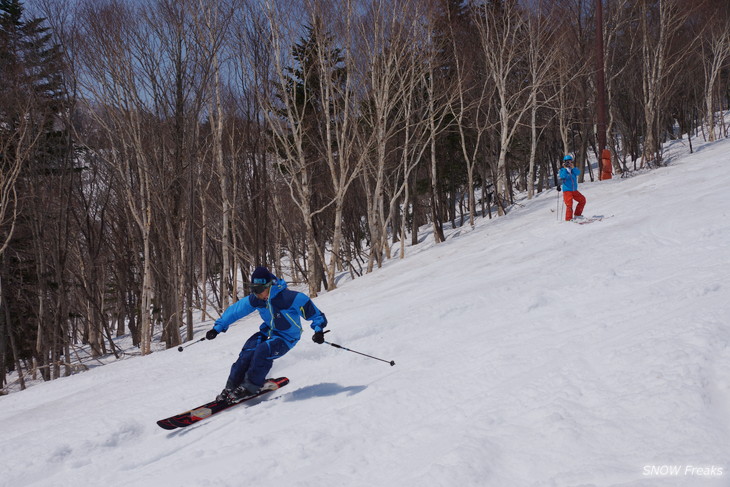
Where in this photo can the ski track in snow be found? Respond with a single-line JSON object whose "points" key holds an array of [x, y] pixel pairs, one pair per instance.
{"points": [[529, 352]]}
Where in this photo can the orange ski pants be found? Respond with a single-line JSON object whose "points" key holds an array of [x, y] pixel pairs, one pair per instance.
{"points": [[568, 197]]}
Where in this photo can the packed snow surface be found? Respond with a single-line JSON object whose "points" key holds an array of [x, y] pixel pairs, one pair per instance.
{"points": [[529, 352]]}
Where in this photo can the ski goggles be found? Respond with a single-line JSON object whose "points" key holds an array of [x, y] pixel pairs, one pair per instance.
{"points": [[259, 285]]}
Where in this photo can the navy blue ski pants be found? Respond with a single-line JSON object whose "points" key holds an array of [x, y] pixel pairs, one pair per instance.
{"points": [[255, 360]]}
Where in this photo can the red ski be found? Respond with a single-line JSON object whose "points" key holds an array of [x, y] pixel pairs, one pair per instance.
{"points": [[194, 415]]}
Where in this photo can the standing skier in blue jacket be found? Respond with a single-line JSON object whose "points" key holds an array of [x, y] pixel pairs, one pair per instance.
{"points": [[281, 310], [568, 176]]}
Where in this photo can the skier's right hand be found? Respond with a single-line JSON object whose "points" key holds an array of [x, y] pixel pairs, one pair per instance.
{"points": [[318, 337], [558, 188], [211, 334]]}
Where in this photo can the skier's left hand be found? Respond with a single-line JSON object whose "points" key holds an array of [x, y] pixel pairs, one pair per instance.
{"points": [[211, 334], [318, 337]]}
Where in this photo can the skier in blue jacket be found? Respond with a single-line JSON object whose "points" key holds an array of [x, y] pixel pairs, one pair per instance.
{"points": [[568, 176], [281, 310]]}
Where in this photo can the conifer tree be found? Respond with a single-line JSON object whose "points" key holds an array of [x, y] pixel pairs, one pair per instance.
{"points": [[34, 158]]}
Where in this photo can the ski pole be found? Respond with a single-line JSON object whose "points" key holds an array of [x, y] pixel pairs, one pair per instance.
{"points": [[391, 362], [181, 348]]}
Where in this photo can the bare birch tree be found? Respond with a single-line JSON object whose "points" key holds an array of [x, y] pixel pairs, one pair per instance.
{"points": [[440, 94], [386, 36], [541, 61], [344, 147], [502, 34], [621, 42], [211, 28], [286, 110], [715, 47], [414, 142], [111, 72], [406, 129], [661, 24], [16, 145], [471, 108]]}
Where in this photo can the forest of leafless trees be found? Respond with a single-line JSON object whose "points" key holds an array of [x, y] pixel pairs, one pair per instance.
{"points": [[152, 153]]}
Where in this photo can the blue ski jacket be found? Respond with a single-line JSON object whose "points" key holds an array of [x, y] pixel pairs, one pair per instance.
{"points": [[281, 313], [569, 178]]}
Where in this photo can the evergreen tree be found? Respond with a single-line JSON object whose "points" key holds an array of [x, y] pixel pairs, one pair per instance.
{"points": [[33, 140]]}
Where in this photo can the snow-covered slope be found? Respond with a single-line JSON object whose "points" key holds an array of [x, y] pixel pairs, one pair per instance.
{"points": [[528, 352]]}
